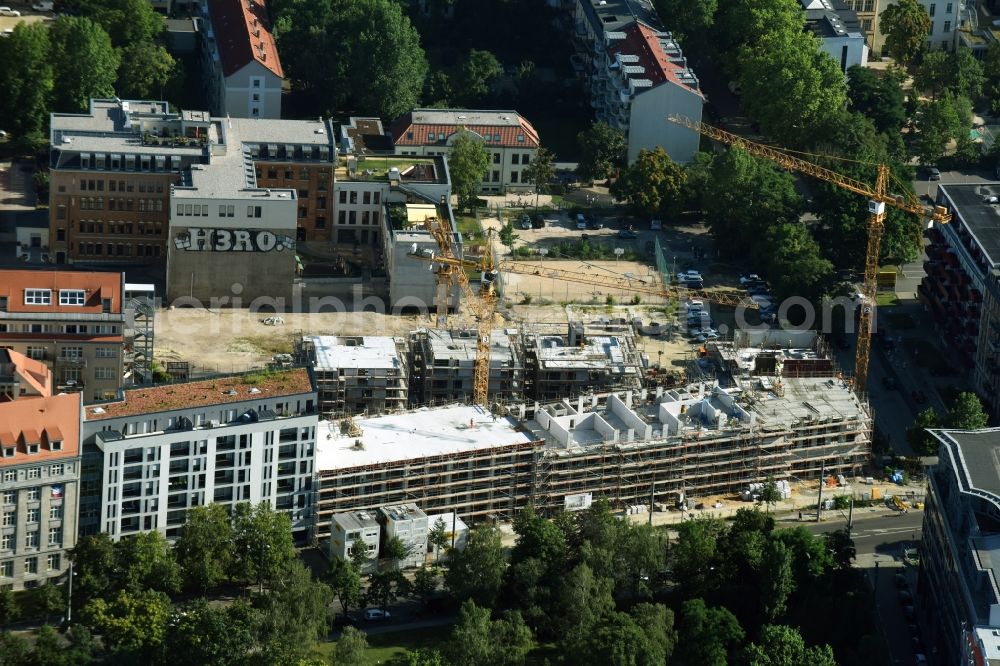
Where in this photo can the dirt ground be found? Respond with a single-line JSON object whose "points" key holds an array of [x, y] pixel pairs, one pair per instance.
{"points": [[541, 288]]}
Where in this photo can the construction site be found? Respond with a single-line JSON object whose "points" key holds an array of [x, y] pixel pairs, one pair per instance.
{"points": [[662, 447]]}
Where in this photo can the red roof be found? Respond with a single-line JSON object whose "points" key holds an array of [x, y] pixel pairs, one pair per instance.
{"points": [[643, 42], [22, 422], [243, 32], [98, 286], [406, 131]]}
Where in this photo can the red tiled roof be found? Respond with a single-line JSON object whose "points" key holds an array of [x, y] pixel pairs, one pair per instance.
{"points": [[97, 285], [33, 372], [641, 40], [404, 125], [206, 392], [54, 415], [243, 31]]}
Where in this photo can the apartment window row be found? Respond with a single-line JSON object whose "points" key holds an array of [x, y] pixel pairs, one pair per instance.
{"points": [[188, 210], [120, 228], [520, 158], [91, 203], [32, 448], [119, 250], [351, 196], [351, 217], [118, 162], [274, 151], [88, 185], [29, 473]]}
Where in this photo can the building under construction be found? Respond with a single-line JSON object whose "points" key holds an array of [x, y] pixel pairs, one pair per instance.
{"points": [[705, 440], [561, 361], [355, 374], [442, 365]]}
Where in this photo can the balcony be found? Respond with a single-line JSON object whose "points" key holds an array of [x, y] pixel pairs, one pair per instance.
{"points": [[72, 361]]}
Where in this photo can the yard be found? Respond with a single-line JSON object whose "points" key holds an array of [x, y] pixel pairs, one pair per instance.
{"points": [[393, 647]]}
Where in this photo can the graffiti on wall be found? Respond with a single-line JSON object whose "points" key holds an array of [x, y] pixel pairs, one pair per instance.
{"points": [[197, 239]]}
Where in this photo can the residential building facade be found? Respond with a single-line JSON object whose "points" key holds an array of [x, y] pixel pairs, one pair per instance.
{"points": [[408, 524], [945, 18], [39, 488], [442, 365], [510, 140], [357, 375], [346, 529], [243, 74], [156, 452], [637, 75], [961, 288], [959, 579], [839, 31], [71, 321]]}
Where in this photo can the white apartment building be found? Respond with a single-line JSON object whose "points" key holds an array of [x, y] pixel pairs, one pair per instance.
{"points": [[409, 524], [155, 453], [839, 31], [345, 531], [357, 374], [242, 71]]}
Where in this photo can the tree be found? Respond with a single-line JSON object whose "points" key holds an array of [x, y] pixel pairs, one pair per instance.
{"points": [[538, 538], [783, 646], [475, 76], [653, 184], [991, 68], [694, 555], [707, 636], [769, 493], [507, 236], [359, 554], [934, 72], [380, 65], [467, 164], [145, 69], [476, 571], [878, 95], [619, 641], [47, 600], [345, 583], [14, 650], [9, 610], [384, 587], [438, 90], [777, 581], [923, 442], [133, 623], [905, 25], [212, 635], [262, 542], [939, 122], [439, 537], [967, 413], [540, 172], [84, 62], [127, 22], [602, 150], [350, 649], [27, 80], [690, 20], [425, 583], [590, 598], [842, 546], [395, 551], [477, 640], [294, 615], [147, 562], [813, 87], [93, 560], [204, 549]]}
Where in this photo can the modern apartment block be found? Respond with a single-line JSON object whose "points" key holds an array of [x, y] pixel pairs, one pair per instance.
{"points": [[243, 74], [346, 529], [407, 523], [962, 283], [702, 441], [154, 453], [39, 493], [71, 321], [959, 580], [22, 377], [409, 248], [357, 375], [442, 365], [561, 363], [839, 31], [638, 75], [508, 137]]}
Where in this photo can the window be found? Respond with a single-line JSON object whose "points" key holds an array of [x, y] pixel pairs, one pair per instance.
{"points": [[948, 9], [53, 562], [947, 26], [366, 198], [38, 297], [9, 497], [515, 158], [9, 451], [930, 11], [256, 83], [354, 197], [71, 353], [9, 519], [31, 564], [32, 472], [55, 512], [513, 176], [496, 137], [7, 569], [520, 138], [9, 475], [37, 353], [431, 136], [55, 536], [106, 352], [7, 542], [253, 211], [378, 197], [526, 158], [343, 197], [33, 494], [104, 373], [496, 158], [496, 176], [34, 515], [31, 539], [72, 296]]}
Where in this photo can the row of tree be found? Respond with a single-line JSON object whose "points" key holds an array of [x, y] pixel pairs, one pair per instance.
{"points": [[114, 46], [966, 413]]}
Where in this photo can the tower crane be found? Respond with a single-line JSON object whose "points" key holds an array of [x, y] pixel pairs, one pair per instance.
{"points": [[451, 269], [878, 198]]}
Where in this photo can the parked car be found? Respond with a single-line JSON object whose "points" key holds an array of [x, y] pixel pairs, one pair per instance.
{"points": [[377, 614], [749, 278], [625, 233], [537, 222], [7, 11], [687, 276], [581, 221], [594, 225], [694, 305], [932, 173], [758, 290]]}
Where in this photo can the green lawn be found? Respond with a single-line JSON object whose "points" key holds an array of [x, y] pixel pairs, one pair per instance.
{"points": [[384, 647], [468, 224], [886, 300]]}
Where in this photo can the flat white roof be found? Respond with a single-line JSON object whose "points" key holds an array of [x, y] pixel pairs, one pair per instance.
{"points": [[374, 352], [417, 434]]}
